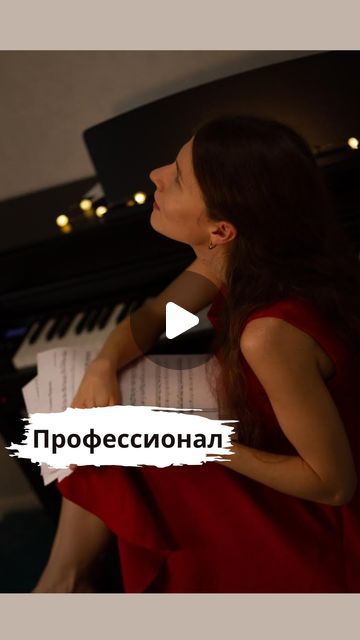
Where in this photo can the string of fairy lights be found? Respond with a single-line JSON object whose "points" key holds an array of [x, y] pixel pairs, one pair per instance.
{"points": [[96, 209], [90, 209], [353, 143]]}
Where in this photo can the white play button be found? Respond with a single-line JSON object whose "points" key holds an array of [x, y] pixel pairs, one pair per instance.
{"points": [[178, 320]]}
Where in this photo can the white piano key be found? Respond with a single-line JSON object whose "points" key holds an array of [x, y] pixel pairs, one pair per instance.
{"points": [[26, 354]]}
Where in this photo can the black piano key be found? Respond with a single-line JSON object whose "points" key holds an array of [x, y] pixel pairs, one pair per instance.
{"points": [[82, 322], [52, 331], [124, 312], [34, 336], [91, 320], [64, 325], [121, 315], [104, 316], [136, 304], [131, 306]]}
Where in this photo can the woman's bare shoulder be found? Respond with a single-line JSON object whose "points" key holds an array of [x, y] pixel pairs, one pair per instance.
{"points": [[271, 334]]}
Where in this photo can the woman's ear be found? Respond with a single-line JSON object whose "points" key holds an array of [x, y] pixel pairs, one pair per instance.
{"points": [[226, 231]]}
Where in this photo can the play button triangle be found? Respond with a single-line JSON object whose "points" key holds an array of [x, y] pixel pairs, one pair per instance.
{"points": [[178, 320]]}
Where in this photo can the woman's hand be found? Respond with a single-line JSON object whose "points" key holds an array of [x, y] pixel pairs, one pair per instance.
{"points": [[99, 387]]}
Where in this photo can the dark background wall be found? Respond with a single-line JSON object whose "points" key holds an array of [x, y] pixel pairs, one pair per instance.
{"points": [[48, 98]]}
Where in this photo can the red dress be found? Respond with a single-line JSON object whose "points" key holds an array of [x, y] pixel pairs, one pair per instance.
{"points": [[207, 528]]}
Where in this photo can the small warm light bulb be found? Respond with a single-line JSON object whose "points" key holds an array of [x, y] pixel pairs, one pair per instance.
{"points": [[85, 204], [353, 143], [67, 228], [100, 211], [140, 197], [130, 203], [62, 220]]}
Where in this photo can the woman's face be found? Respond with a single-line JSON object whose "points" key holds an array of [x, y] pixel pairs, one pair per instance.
{"points": [[182, 213]]}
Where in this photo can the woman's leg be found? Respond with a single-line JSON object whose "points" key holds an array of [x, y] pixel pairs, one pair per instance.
{"points": [[79, 543]]}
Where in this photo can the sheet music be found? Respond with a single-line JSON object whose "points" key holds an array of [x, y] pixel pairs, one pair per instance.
{"points": [[172, 381], [142, 383]]}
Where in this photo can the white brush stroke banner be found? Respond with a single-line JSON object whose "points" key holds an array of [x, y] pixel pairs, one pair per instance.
{"points": [[71, 433]]}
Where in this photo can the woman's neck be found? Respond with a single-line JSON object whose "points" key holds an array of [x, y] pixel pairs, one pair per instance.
{"points": [[213, 262]]}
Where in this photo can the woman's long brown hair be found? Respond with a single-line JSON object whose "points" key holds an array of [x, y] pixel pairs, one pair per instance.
{"points": [[261, 176]]}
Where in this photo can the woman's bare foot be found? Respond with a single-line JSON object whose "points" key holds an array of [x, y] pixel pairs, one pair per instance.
{"points": [[66, 581], [76, 559]]}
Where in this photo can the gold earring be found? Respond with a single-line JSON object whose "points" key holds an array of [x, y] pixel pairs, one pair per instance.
{"points": [[211, 246]]}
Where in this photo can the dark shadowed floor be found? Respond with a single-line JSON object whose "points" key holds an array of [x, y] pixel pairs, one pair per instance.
{"points": [[25, 542]]}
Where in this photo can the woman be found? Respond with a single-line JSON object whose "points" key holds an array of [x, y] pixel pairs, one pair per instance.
{"points": [[282, 514]]}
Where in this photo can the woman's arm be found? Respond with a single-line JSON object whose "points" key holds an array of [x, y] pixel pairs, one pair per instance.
{"points": [[120, 348], [283, 359], [99, 386]]}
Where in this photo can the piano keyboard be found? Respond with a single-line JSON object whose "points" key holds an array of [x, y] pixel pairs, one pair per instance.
{"points": [[83, 329]]}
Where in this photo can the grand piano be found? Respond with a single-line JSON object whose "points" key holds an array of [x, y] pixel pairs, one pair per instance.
{"points": [[74, 285]]}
